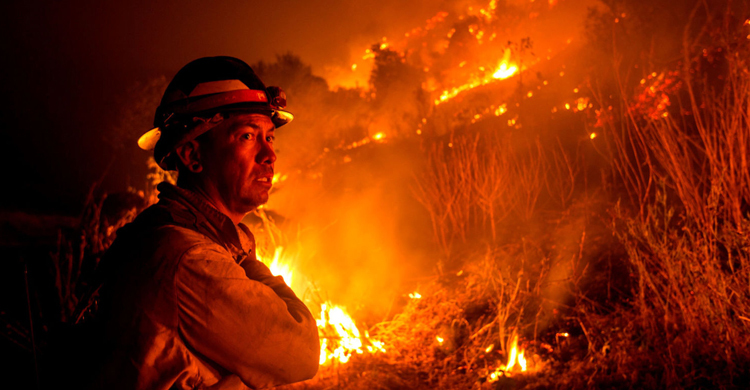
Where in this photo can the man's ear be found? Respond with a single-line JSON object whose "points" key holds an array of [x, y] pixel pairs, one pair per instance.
{"points": [[190, 156]]}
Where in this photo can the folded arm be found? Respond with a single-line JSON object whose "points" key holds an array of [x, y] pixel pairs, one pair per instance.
{"points": [[245, 319]]}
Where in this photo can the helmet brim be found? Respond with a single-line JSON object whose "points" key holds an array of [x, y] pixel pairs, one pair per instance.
{"points": [[148, 140]]}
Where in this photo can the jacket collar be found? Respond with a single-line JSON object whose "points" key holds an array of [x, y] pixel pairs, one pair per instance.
{"points": [[190, 210]]}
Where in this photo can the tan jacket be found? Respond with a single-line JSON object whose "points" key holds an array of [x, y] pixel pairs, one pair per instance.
{"points": [[185, 304]]}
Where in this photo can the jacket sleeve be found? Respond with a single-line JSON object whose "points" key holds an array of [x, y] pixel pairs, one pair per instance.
{"points": [[255, 328]]}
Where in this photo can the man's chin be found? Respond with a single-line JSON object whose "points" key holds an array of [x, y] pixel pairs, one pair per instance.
{"points": [[255, 201]]}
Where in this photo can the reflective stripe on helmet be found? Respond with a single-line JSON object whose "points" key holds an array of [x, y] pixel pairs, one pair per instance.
{"points": [[221, 99]]}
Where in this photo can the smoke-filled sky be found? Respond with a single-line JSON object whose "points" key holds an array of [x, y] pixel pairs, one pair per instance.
{"points": [[68, 66]]}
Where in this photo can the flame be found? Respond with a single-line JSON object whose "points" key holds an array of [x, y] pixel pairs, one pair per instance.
{"points": [[277, 266], [504, 70], [415, 295], [439, 339], [516, 356], [340, 336], [380, 137], [280, 268], [516, 362]]}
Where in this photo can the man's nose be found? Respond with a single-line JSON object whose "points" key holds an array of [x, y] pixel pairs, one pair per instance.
{"points": [[266, 155]]}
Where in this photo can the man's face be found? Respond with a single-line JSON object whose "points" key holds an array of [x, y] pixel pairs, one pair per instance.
{"points": [[238, 158]]}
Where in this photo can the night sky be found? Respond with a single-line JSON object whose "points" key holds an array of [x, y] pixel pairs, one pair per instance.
{"points": [[68, 67]]}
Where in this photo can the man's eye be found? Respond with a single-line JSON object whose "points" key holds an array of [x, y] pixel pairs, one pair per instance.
{"points": [[270, 138], [248, 136]]}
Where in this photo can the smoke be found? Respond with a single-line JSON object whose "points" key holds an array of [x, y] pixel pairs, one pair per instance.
{"points": [[345, 200], [352, 155], [357, 232]]}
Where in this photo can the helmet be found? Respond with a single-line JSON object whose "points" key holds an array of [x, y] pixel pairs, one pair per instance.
{"points": [[203, 88]]}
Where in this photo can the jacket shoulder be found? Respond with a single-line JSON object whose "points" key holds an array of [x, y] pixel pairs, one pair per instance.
{"points": [[156, 246], [179, 241]]}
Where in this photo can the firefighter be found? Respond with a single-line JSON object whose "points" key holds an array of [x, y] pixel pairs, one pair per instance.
{"points": [[183, 302]]}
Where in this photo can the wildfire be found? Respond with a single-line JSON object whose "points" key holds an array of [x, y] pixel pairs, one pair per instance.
{"points": [[504, 70], [340, 337], [516, 361], [378, 137], [279, 268]]}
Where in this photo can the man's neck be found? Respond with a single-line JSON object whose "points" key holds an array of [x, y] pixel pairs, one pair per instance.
{"points": [[211, 196]]}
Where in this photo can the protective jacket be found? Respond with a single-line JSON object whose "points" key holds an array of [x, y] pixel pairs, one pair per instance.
{"points": [[185, 304]]}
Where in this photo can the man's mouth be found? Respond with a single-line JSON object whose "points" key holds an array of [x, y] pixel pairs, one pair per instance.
{"points": [[265, 179]]}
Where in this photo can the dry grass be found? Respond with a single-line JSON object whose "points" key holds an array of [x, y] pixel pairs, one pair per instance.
{"points": [[452, 337], [683, 225], [473, 185], [689, 243]]}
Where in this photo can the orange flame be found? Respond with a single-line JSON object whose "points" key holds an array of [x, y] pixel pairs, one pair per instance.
{"points": [[339, 335], [504, 70], [278, 266], [347, 338], [516, 362]]}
